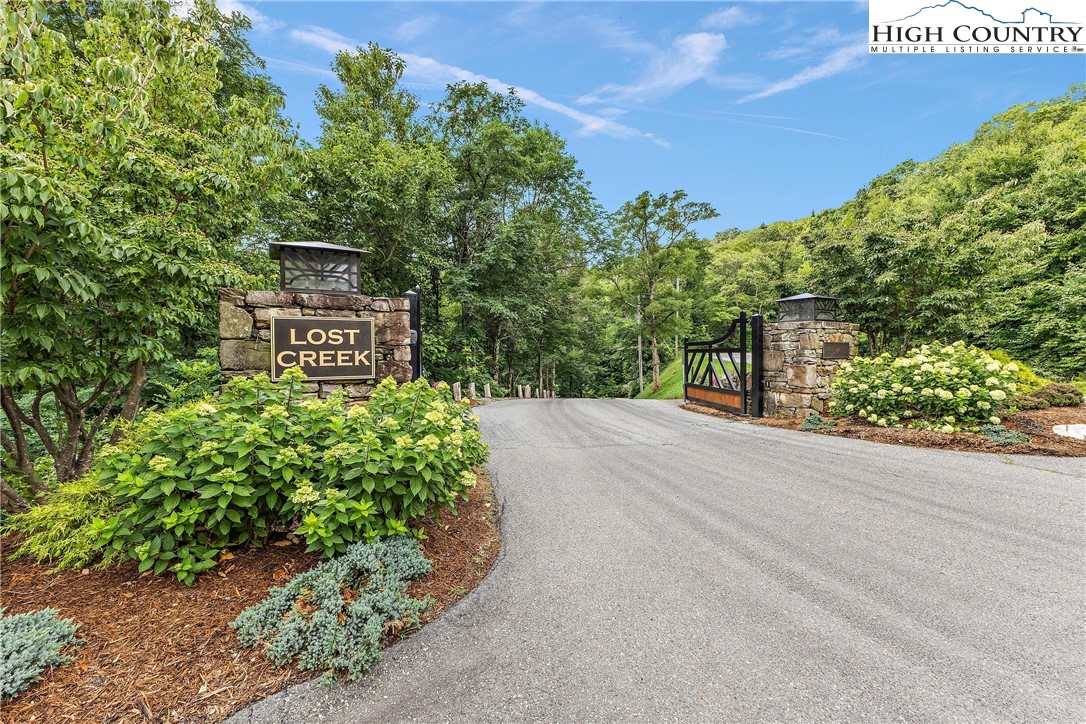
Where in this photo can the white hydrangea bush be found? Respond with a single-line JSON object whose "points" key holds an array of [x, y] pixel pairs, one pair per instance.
{"points": [[932, 387]]}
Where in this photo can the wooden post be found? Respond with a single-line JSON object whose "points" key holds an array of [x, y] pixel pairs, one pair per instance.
{"points": [[486, 390], [528, 391], [456, 391], [471, 390]]}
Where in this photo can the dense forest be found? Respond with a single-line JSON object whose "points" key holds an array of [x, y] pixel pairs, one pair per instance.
{"points": [[146, 161]]}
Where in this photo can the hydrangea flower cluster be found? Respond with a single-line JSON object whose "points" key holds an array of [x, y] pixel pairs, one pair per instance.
{"points": [[933, 387]]}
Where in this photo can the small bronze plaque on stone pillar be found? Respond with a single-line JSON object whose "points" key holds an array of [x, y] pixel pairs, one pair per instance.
{"points": [[835, 350]]}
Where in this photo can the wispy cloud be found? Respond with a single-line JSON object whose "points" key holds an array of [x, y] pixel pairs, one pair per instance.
{"points": [[421, 69], [785, 128], [295, 66], [727, 18], [611, 34], [414, 28], [839, 61], [691, 58], [261, 22], [323, 38]]}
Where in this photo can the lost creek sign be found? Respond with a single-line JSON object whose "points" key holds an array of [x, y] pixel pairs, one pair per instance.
{"points": [[329, 348]]}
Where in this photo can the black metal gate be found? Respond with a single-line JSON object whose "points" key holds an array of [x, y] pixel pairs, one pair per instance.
{"points": [[726, 372]]}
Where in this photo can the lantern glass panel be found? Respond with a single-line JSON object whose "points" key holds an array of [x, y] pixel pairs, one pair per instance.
{"points": [[316, 270]]}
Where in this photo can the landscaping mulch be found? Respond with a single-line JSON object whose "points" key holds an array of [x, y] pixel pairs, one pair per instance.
{"points": [[158, 651], [1037, 424]]}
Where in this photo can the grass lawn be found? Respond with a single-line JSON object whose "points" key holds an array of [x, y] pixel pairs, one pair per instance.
{"points": [[671, 383]]}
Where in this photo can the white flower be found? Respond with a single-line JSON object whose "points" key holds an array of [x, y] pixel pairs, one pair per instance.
{"points": [[927, 392], [861, 413], [983, 405], [994, 420], [906, 390], [944, 394], [927, 367], [1011, 367], [998, 395], [947, 429], [991, 382], [994, 366], [964, 392]]}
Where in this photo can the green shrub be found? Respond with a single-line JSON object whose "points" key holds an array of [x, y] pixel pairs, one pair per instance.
{"points": [[182, 381], [29, 644], [1027, 402], [817, 422], [936, 387], [1002, 436], [1027, 379], [1060, 394], [60, 530], [224, 472], [333, 617]]}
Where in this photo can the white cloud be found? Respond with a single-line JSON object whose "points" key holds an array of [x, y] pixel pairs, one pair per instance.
{"points": [[414, 28], [261, 22], [322, 38], [420, 69], [691, 58], [725, 18], [295, 66], [837, 62]]}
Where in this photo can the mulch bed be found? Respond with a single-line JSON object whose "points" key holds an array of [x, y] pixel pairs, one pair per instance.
{"points": [[1037, 424], [156, 650]]}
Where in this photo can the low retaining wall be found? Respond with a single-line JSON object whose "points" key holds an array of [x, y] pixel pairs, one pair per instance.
{"points": [[245, 332]]}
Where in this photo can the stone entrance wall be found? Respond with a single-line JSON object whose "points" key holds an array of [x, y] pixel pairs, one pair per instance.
{"points": [[245, 332], [796, 374]]}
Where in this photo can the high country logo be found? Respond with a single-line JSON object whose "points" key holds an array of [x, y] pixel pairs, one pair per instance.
{"points": [[977, 26]]}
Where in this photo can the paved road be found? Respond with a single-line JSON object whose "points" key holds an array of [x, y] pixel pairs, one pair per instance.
{"points": [[661, 565]]}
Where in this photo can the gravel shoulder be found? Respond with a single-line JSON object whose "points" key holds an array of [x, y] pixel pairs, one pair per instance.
{"points": [[658, 565]]}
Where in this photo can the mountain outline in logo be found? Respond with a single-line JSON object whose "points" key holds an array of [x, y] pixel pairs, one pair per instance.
{"points": [[959, 4]]}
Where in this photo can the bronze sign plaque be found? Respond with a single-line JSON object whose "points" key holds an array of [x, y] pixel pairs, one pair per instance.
{"points": [[835, 350], [326, 348]]}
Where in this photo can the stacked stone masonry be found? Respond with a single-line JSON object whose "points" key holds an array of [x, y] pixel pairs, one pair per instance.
{"points": [[245, 333], [797, 376]]}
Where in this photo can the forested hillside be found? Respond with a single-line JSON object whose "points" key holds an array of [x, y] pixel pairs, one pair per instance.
{"points": [[162, 175], [985, 242]]}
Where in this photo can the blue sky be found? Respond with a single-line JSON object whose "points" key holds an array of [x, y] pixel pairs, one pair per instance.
{"points": [[767, 110]]}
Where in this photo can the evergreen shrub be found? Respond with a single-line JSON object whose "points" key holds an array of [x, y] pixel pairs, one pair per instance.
{"points": [[333, 617], [1060, 394], [1028, 402], [1002, 436], [817, 422], [933, 387], [29, 644], [60, 530], [264, 457]]}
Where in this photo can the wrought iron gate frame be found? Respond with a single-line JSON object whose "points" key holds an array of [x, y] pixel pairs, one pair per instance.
{"points": [[704, 384]]}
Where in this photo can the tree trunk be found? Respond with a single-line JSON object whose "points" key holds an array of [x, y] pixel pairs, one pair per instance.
{"points": [[10, 499], [132, 401], [655, 364]]}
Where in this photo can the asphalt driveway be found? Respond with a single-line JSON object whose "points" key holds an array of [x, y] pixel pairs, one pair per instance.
{"points": [[661, 565]]}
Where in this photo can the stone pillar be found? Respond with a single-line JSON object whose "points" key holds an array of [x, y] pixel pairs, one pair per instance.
{"points": [[245, 332], [796, 369]]}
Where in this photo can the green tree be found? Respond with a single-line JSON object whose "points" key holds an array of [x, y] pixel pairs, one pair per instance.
{"points": [[654, 246], [376, 180], [521, 220], [121, 177]]}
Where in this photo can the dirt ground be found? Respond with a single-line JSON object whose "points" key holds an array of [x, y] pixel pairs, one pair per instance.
{"points": [[1037, 424], [158, 651]]}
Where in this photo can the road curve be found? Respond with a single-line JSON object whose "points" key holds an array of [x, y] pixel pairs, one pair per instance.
{"points": [[660, 565]]}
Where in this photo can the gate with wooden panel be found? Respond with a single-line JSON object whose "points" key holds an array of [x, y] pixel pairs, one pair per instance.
{"points": [[726, 372]]}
